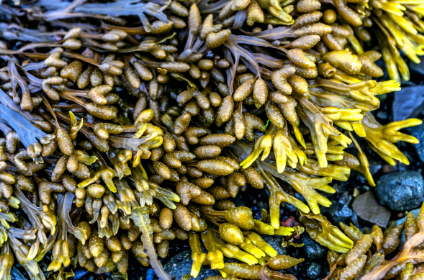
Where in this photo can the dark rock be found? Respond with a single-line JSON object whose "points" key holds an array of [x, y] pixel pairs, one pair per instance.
{"points": [[339, 212], [408, 102], [339, 187], [180, 264], [275, 242], [416, 72], [313, 250], [17, 275], [354, 220], [375, 165], [417, 69], [344, 198], [210, 54], [80, 273], [401, 191], [300, 197], [150, 275], [326, 270], [418, 132], [381, 114], [289, 208], [313, 270], [294, 253], [368, 209], [374, 168]]}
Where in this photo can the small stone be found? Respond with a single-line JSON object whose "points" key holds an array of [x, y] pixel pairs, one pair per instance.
{"points": [[381, 114], [313, 250], [313, 271], [275, 242], [418, 132], [180, 264], [80, 273], [368, 209], [401, 191], [375, 165], [345, 198], [17, 275], [339, 212]]}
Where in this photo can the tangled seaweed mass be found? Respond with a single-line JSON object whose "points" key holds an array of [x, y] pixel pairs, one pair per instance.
{"points": [[128, 124]]}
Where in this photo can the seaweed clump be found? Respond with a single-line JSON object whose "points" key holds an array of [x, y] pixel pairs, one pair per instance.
{"points": [[117, 142], [368, 259]]}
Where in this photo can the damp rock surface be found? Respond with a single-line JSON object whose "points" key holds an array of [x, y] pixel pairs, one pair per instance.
{"points": [[339, 212], [312, 250], [400, 191], [180, 264], [418, 132], [313, 270]]}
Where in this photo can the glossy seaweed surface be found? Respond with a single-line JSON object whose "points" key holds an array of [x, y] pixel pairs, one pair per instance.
{"points": [[133, 129]]}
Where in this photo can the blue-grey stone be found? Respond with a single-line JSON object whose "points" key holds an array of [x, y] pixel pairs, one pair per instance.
{"points": [[313, 250], [339, 212], [382, 114], [418, 132], [180, 264], [401, 191], [80, 273], [17, 275], [313, 270], [408, 102], [275, 242], [375, 165]]}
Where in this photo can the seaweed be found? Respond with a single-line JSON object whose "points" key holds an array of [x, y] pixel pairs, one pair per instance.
{"points": [[140, 217]]}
